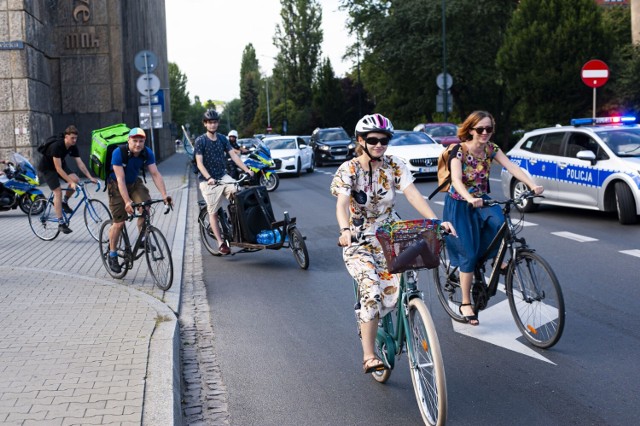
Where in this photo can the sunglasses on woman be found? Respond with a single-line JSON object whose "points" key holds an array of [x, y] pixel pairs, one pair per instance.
{"points": [[374, 141], [481, 130]]}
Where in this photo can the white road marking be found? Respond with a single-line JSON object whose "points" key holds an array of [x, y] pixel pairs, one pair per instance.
{"points": [[635, 252], [498, 328], [576, 237]]}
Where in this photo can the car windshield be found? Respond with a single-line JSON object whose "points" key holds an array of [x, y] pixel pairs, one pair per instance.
{"points": [[334, 135], [624, 142], [289, 143], [416, 138], [441, 130]]}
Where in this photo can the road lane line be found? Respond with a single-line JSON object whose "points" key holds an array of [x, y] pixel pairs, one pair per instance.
{"points": [[576, 237], [635, 252]]}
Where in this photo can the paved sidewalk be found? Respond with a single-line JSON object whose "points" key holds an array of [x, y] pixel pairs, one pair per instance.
{"points": [[78, 347]]}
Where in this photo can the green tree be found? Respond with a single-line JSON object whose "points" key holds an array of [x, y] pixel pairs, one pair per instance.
{"points": [[546, 44], [249, 90], [180, 104], [231, 116], [299, 40], [402, 53], [328, 99]]}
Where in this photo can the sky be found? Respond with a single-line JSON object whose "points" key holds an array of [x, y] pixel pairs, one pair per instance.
{"points": [[206, 39]]}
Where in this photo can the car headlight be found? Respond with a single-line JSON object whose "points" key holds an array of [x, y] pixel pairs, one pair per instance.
{"points": [[289, 158], [352, 146], [324, 147]]}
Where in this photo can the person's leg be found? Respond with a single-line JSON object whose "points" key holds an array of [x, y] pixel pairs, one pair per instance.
{"points": [[213, 197], [368, 332], [139, 193], [119, 214]]}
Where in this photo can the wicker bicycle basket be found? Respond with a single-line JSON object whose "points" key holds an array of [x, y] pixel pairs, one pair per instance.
{"points": [[410, 245]]}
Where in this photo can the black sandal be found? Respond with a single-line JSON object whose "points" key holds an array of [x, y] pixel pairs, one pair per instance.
{"points": [[469, 318], [370, 365]]}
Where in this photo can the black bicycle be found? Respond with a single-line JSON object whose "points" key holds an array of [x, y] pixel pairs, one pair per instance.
{"points": [[150, 242], [534, 294], [248, 212]]}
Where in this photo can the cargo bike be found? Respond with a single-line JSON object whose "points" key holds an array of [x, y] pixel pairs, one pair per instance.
{"points": [[248, 224]]}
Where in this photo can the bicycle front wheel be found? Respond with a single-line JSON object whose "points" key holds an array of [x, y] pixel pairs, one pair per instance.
{"points": [[103, 242], [206, 232], [95, 213], [447, 283], [535, 299], [426, 364], [159, 258], [43, 220]]}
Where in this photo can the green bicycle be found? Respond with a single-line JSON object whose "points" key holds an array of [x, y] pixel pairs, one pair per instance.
{"points": [[411, 324]]}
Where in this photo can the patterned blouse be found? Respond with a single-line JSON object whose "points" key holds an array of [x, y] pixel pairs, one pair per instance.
{"points": [[371, 205], [475, 171]]}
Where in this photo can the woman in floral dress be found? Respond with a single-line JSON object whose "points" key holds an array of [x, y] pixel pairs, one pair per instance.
{"points": [[366, 188], [476, 226]]}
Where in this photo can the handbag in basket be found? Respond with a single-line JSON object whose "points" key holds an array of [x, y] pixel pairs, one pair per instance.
{"points": [[410, 245]]}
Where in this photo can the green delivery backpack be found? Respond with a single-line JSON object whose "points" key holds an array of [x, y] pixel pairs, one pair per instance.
{"points": [[103, 142]]}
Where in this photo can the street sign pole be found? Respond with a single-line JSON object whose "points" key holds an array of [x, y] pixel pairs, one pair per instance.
{"points": [[146, 70], [595, 73]]}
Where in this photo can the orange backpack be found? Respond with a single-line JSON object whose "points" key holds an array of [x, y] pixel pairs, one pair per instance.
{"points": [[444, 162]]}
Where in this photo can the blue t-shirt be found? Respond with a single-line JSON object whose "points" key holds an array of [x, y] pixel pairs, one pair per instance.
{"points": [[133, 166], [213, 154]]}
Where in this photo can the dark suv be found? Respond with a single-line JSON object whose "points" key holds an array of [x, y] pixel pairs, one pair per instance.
{"points": [[331, 144]]}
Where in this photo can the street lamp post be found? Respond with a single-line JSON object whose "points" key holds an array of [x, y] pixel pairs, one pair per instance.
{"points": [[268, 108], [445, 98]]}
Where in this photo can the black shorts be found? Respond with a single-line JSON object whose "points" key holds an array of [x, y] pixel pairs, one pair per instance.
{"points": [[52, 178]]}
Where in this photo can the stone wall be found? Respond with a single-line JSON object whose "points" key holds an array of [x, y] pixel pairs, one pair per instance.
{"points": [[71, 62]]}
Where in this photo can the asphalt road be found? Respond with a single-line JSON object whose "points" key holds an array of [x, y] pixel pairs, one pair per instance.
{"points": [[289, 353]]}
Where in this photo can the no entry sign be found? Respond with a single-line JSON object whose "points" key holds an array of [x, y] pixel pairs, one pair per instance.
{"points": [[595, 73]]}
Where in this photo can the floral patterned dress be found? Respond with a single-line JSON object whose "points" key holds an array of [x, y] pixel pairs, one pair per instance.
{"points": [[475, 227], [371, 206]]}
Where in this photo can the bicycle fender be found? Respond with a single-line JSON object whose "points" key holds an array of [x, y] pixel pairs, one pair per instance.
{"points": [[384, 339]]}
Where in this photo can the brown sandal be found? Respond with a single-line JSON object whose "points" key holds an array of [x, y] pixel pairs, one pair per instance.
{"points": [[372, 364]]}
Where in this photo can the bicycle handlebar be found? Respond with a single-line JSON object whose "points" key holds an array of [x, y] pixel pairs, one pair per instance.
{"points": [[148, 203], [524, 196]]}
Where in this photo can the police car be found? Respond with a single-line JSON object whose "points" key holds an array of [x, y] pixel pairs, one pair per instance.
{"points": [[592, 164]]}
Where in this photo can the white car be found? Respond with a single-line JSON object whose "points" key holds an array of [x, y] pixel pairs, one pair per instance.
{"points": [[417, 150], [291, 154], [592, 164]]}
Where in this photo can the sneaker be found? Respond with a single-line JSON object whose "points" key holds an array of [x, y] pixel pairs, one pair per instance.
{"points": [[224, 248], [66, 208], [64, 228], [114, 265]]}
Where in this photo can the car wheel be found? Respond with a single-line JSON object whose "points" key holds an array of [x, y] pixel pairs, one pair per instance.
{"points": [[298, 168], [625, 204], [517, 189], [312, 165]]}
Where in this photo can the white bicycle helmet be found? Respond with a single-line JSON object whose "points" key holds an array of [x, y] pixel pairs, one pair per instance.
{"points": [[374, 123], [233, 133]]}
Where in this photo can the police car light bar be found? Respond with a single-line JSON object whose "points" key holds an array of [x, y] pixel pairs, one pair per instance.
{"points": [[603, 120]]}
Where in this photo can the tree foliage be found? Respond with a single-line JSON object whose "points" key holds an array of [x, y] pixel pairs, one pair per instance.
{"points": [[249, 89], [179, 103], [328, 100], [298, 39], [546, 45]]}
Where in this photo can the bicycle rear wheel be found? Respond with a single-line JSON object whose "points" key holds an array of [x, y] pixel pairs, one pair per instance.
{"points": [[43, 220], [299, 247], [447, 283], [95, 213], [206, 233], [103, 242], [426, 364], [535, 299], [159, 259]]}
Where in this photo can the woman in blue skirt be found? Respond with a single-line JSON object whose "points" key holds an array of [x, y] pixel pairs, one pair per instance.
{"points": [[470, 165]]}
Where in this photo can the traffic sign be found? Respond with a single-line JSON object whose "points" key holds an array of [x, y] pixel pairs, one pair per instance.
{"points": [[444, 81], [148, 84], [145, 61], [595, 73]]}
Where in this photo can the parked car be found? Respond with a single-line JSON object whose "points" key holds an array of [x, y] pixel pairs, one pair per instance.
{"points": [[331, 145], [265, 135], [417, 150], [290, 154], [443, 133], [591, 164]]}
